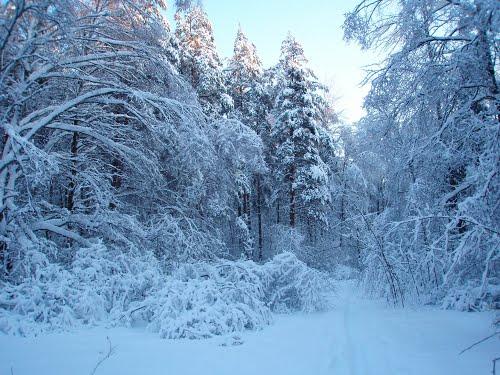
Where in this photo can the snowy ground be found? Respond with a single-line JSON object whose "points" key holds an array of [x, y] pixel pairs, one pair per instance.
{"points": [[359, 338]]}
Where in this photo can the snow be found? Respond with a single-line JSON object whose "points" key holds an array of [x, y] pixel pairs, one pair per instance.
{"points": [[375, 339], [360, 337]]}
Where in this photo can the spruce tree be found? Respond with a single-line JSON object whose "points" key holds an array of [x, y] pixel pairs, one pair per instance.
{"points": [[301, 173]]}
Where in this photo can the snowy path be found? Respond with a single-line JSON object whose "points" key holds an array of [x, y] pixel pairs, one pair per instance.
{"points": [[359, 338], [373, 339]]}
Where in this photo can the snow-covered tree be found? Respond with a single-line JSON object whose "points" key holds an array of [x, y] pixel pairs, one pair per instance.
{"points": [[241, 155], [94, 119], [302, 175], [199, 60], [433, 119], [244, 72], [244, 77]]}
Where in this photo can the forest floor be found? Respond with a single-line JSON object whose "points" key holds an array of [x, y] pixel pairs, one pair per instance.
{"points": [[359, 337]]}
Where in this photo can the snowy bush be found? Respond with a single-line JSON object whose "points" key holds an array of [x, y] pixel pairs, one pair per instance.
{"points": [[114, 277], [200, 301], [471, 298], [204, 300], [44, 301], [99, 286], [290, 285]]}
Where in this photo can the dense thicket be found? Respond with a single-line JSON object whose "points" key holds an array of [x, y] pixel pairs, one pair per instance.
{"points": [[428, 150]]}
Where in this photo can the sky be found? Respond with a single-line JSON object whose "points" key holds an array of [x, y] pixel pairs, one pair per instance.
{"points": [[316, 24]]}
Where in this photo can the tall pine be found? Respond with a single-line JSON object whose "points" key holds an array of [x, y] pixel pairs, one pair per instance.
{"points": [[200, 63], [244, 72], [296, 135], [251, 106]]}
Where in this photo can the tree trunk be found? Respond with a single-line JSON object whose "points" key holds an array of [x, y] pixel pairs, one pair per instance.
{"points": [[292, 197], [247, 211], [277, 211], [70, 198], [259, 218]]}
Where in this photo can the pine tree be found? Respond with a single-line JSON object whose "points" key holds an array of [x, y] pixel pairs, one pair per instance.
{"points": [[244, 72], [302, 175], [199, 60], [251, 105]]}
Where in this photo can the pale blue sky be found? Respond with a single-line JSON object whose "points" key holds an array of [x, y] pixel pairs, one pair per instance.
{"points": [[315, 23]]}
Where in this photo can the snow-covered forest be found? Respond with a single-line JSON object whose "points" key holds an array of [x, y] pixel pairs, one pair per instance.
{"points": [[147, 181]]}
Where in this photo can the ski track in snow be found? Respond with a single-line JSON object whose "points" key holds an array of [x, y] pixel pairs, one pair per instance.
{"points": [[359, 337]]}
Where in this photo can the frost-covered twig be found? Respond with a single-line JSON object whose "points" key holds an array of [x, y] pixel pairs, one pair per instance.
{"points": [[479, 342], [107, 355]]}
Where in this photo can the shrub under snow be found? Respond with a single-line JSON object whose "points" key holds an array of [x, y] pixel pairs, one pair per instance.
{"points": [[472, 298], [203, 300], [197, 300], [99, 286], [290, 285]]}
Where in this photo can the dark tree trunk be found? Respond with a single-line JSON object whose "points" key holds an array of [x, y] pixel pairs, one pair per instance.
{"points": [[259, 218], [116, 180], [70, 198], [277, 211], [247, 211], [292, 197]]}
